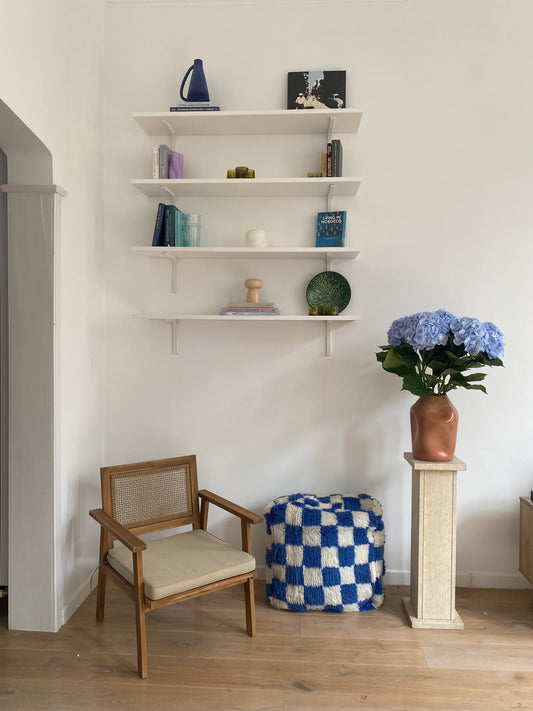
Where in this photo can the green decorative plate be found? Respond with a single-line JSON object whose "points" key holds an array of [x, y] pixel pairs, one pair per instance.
{"points": [[329, 289]]}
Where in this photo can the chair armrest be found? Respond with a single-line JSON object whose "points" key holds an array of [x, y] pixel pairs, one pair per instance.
{"points": [[129, 539], [239, 511]]}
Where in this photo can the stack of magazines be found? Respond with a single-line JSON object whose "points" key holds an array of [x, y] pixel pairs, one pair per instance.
{"points": [[195, 106], [250, 309]]}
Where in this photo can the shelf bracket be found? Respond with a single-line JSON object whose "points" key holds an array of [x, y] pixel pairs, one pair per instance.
{"points": [[172, 195], [331, 191], [174, 324], [327, 326], [331, 127], [174, 283], [171, 134]]}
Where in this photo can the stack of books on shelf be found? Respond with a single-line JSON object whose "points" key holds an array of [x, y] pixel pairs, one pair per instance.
{"points": [[172, 227], [332, 160], [166, 163], [195, 106], [250, 309]]}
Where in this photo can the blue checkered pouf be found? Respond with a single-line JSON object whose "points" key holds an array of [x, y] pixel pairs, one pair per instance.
{"points": [[324, 553]]}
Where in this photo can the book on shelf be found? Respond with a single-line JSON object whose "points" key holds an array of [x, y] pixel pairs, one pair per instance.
{"points": [[192, 104], [336, 158], [332, 160], [157, 240], [330, 229], [249, 310], [251, 304], [195, 106], [164, 155], [324, 165], [168, 226], [240, 312], [155, 162]]}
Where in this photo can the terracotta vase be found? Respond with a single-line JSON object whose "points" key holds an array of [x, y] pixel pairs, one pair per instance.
{"points": [[434, 428]]}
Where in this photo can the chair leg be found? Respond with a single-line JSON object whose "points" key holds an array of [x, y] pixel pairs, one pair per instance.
{"points": [[100, 596], [142, 656], [105, 543], [249, 601], [140, 616]]}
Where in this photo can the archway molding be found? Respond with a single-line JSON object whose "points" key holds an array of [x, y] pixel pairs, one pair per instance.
{"points": [[33, 219]]}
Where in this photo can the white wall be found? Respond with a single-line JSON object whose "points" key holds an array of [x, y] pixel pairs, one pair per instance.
{"points": [[51, 54], [443, 219]]}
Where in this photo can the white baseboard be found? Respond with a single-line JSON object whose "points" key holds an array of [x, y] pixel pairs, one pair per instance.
{"points": [[78, 599], [509, 581]]}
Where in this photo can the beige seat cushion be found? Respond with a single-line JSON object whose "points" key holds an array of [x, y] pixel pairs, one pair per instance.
{"points": [[182, 562]]}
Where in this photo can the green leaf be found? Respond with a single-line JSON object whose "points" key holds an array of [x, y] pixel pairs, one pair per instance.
{"points": [[414, 385], [475, 377], [450, 371], [494, 362], [407, 354], [437, 366], [463, 381], [393, 363], [476, 387], [460, 362]]}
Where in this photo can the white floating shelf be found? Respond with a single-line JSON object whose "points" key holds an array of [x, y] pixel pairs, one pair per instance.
{"points": [[174, 320], [246, 123], [248, 187], [247, 252], [175, 254], [218, 317]]}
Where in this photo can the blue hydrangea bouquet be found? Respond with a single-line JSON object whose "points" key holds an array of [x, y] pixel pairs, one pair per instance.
{"points": [[433, 352]]}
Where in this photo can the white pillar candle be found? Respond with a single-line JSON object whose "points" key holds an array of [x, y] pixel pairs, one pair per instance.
{"points": [[256, 238]]}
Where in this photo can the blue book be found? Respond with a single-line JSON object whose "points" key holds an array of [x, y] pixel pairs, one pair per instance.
{"points": [[168, 229], [157, 240], [330, 229]]}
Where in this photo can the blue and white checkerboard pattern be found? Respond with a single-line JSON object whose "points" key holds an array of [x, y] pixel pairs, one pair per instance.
{"points": [[324, 553]]}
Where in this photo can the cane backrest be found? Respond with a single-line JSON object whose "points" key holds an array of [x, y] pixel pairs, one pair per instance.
{"points": [[150, 496]]}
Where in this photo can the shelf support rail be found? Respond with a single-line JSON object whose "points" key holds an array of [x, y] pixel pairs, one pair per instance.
{"points": [[331, 127], [327, 325], [174, 324], [174, 278], [331, 191], [169, 191], [171, 134], [172, 195]]}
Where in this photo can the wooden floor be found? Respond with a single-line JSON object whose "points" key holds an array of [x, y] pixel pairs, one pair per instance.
{"points": [[200, 659]]}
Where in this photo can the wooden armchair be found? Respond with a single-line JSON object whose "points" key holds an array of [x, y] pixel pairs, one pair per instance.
{"points": [[153, 496]]}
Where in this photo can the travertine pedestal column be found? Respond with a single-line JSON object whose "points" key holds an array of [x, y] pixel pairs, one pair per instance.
{"points": [[433, 525]]}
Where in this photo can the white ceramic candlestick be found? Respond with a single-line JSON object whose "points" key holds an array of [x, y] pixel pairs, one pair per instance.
{"points": [[256, 238]]}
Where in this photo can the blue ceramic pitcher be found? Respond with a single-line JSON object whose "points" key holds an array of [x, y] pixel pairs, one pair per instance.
{"points": [[197, 85]]}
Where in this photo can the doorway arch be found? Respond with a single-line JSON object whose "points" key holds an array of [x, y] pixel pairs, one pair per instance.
{"points": [[33, 226]]}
